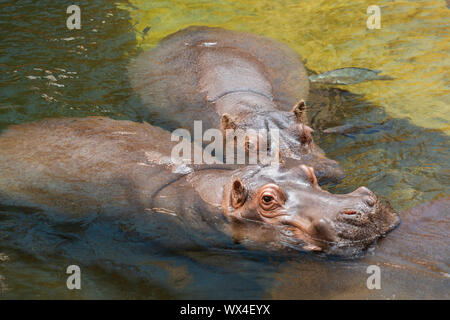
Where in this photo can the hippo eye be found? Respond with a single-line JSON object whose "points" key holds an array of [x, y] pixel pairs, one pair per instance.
{"points": [[268, 202], [270, 199]]}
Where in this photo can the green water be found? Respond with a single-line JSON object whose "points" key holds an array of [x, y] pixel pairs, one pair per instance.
{"points": [[50, 71]]}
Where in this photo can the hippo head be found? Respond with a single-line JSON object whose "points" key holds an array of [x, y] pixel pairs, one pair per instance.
{"points": [[296, 145], [286, 207]]}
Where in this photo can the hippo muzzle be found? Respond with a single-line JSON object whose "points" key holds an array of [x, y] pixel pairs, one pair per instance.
{"points": [[351, 221]]}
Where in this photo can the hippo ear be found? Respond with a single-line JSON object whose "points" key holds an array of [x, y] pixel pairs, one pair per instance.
{"points": [[309, 171], [238, 193], [299, 109], [227, 122], [305, 134]]}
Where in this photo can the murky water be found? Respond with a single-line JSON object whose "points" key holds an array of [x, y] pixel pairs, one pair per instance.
{"points": [[50, 71]]}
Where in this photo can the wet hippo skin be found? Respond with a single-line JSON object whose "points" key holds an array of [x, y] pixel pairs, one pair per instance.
{"points": [[107, 167], [232, 80]]}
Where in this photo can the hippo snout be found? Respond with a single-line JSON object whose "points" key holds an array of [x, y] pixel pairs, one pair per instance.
{"points": [[367, 201], [365, 219], [352, 220]]}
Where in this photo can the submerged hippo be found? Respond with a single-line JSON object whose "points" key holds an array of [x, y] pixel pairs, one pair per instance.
{"points": [[101, 166], [232, 80]]}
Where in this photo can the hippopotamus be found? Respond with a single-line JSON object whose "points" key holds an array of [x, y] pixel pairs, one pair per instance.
{"points": [[100, 166], [232, 80]]}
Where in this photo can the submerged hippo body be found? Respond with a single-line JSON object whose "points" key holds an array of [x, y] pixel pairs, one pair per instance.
{"points": [[232, 80], [101, 166]]}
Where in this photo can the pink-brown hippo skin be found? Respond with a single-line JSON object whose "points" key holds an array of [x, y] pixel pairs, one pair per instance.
{"points": [[232, 80], [107, 167]]}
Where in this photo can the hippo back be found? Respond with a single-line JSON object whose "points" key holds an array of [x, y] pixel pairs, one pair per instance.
{"points": [[83, 164], [195, 66]]}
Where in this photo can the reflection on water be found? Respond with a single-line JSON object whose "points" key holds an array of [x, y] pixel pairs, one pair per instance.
{"points": [[49, 71]]}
